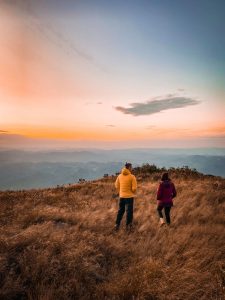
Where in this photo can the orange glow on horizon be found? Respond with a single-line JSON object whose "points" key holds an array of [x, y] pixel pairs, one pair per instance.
{"points": [[114, 133]]}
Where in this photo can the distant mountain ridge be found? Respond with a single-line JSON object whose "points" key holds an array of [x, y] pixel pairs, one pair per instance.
{"points": [[39, 169]]}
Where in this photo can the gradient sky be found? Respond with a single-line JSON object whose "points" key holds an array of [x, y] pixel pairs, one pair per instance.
{"points": [[112, 73]]}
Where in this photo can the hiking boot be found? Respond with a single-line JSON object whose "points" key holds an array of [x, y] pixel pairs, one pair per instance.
{"points": [[161, 222], [116, 227], [129, 228]]}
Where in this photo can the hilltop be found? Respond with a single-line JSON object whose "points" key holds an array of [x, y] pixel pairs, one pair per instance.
{"points": [[59, 243]]}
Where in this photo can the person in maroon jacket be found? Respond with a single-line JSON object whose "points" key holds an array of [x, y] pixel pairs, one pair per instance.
{"points": [[165, 194]]}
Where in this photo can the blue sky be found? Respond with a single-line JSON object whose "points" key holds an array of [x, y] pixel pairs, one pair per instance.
{"points": [[175, 35]]}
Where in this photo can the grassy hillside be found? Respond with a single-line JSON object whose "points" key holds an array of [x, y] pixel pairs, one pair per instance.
{"points": [[59, 243]]}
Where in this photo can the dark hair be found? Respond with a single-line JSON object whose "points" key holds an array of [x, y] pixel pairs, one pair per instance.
{"points": [[165, 176], [128, 165]]}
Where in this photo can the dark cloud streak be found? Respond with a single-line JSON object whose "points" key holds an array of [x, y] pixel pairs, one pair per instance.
{"points": [[49, 33], [156, 106]]}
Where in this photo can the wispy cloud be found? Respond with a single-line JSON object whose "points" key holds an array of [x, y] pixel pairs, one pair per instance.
{"points": [[156, 106], [4, 131], [48, 32], [93, 103], [150, 127], [110, 125], [59, 39]]}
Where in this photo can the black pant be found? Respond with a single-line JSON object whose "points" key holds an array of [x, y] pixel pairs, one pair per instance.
{"points": [[167, 212], [128, 204]]}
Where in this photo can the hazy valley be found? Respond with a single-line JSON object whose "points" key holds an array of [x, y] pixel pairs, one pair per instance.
{"points": [[39, 169]]}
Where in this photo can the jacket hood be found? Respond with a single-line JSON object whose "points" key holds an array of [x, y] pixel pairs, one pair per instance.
{"points": [[125, 171], [166, 183]]}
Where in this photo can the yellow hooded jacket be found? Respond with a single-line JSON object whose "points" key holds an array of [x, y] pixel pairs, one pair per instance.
{"points": [[126, 184]]}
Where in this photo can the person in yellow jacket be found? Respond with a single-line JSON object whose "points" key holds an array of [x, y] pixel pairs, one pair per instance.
{"points": [[126, 185]]}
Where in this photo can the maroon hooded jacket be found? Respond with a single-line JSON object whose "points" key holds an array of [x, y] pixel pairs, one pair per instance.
{"points": [[166, 192]]}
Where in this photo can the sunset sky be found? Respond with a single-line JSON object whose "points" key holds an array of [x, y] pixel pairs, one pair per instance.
{"points": [[112, 73]]}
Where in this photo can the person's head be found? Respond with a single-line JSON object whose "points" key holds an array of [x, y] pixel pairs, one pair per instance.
{"points": [[128, 166], [165, 176]]}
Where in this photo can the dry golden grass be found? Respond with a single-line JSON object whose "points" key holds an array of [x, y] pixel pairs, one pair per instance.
{"points": [[59, 243]]}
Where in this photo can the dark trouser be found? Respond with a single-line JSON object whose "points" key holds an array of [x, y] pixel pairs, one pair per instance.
{"points": [[128, 204], [167, 212]]}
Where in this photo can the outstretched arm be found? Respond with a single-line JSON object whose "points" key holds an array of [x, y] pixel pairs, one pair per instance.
{"points": [[117, 184], [134, 184], [159, 192], [174, 191]]}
